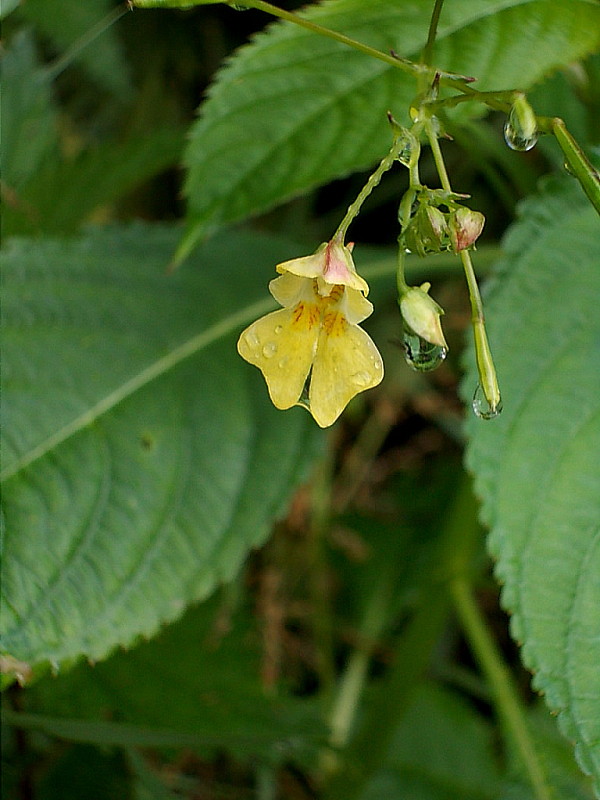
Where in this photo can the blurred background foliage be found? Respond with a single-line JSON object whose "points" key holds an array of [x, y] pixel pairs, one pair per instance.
{"points": [[338, 631]]}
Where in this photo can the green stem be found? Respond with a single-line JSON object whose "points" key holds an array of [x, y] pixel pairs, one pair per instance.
{"points": [[55, 69], [437, 156], [485, 362], [302, 22], [400, 273], [450, 79], [366, 750], [578, 163], [427, 56], [372, 182], [505, 693], [354, 678]]}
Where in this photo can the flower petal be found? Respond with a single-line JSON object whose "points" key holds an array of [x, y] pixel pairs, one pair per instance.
{"points": [[282, 345], [355, 306], [308, 266], [340, 269], [332, 263], [289, 289], [347, 362]]}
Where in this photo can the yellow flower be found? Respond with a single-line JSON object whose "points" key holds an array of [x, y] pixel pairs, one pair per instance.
{"points": [[312, 352]]}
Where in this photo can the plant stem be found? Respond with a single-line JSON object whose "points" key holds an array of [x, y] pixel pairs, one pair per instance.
{"points": [[505, 694], [427, 56], [578, 163], [485, 362], [372, 182], [61, 64], [458, 82], [354, 678], [437, 156]]}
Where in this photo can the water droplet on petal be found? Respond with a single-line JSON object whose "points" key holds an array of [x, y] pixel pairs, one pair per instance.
{"points": [[421, 355], [283, 362], [482, 407], [278, 329], [252, 339], [361, 379], [515, 138], [269, 350]]}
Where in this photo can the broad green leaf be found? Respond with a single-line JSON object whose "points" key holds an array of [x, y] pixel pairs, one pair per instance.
{"points": [[29, 133], [213, 656], [536, 466], [556, 755], [293, 110], [64, 193], [87, 29], [142, 458], [441, 750]]}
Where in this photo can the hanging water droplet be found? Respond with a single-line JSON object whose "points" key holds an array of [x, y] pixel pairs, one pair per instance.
{"points": [[515, 138], [239, 6], [568, 168], [482, 407], [269, 349], [421, 355]]}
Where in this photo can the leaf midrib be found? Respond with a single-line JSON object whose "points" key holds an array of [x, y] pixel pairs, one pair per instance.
{"points": [[142, 378]]}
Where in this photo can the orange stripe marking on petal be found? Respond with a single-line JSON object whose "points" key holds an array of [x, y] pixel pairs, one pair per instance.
{"points": [[334, 323], [305, 316]]}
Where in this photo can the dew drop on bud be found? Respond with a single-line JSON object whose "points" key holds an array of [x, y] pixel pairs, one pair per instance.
{"points": [[421, 355], [515, 138], [482, 407]]}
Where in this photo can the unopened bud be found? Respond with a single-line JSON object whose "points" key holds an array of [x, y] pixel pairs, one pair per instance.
{"points": [[466, 227], [422, 314], [428, 232]]}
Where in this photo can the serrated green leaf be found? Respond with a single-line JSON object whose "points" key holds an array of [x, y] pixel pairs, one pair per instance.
{"points": [[293, 110], [536, 466], [29, 133], [194, 658], [142, 458], [87, 28]]}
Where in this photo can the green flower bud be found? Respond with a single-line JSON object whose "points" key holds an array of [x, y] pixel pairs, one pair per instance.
{"points": [[422, 314]]}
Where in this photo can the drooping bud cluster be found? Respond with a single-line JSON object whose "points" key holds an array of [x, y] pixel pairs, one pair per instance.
{"points": [[428, 229]]}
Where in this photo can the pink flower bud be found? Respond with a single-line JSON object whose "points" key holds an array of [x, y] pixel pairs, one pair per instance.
{"points": [[466, 227]]}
